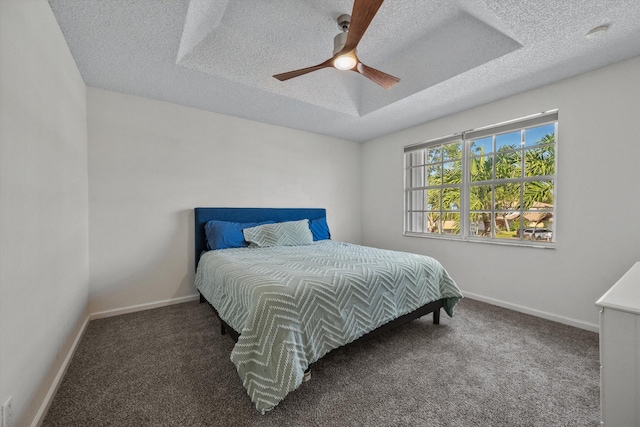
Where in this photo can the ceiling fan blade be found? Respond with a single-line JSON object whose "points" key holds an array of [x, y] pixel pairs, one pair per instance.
{"points": [[291, 74], [361, 16], [383, 79]]}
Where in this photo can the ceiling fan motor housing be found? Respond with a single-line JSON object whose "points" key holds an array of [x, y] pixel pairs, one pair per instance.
{"points": [[341, 39], [338, 42]]}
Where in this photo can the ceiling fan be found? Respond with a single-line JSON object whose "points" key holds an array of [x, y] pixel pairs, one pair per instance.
{"points": [[344, 52]]}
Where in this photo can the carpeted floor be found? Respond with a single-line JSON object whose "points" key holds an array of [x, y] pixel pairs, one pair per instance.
{"points": [[487, 366]]}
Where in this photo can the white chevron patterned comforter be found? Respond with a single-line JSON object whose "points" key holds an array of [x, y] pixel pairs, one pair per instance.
{"points": [[294, 304]]}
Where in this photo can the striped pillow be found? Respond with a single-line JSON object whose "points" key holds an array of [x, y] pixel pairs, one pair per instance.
{"points": [[291, 233]]}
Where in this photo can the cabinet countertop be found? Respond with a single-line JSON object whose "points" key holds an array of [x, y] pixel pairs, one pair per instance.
{"points": [[625, 294]]}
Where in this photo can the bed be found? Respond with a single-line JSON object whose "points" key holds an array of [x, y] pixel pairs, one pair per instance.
{"points": [[288, 304]]}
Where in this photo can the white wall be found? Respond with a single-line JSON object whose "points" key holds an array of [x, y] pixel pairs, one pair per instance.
{"points": [[598, 205], [151, 163], [43, 203]]}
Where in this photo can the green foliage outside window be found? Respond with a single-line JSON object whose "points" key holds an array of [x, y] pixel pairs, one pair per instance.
{"points": [[510, 184]]}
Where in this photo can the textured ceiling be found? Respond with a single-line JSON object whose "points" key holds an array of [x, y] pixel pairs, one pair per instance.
{"points": [[450, 55]]}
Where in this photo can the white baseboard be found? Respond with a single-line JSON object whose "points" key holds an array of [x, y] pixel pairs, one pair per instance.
{"points": [[141, 307], [538, 313], [58, 379]]}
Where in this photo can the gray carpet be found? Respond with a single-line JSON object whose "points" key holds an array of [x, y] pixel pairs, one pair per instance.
{"points": [[487, 366]]}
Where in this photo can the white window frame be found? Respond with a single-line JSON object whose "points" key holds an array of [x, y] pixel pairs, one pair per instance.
{"points": [[466, 138]]}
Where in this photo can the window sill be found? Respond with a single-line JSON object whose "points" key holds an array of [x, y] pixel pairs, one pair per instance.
{"points": [[521, 243]]}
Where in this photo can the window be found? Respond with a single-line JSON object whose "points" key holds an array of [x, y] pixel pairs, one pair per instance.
{"points": [[494, 184]]}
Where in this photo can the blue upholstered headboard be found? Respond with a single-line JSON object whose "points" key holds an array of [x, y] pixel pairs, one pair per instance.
{"points": [[204, 215]]}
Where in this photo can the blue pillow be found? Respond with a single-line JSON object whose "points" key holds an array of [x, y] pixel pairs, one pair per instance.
{"points": [[226, 234], [319, 229]]}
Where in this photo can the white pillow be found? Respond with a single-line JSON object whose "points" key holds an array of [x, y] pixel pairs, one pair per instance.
{"points": [[291, 233]]}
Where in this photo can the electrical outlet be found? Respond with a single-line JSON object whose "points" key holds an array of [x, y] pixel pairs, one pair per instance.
{"points": [[7, 414]]}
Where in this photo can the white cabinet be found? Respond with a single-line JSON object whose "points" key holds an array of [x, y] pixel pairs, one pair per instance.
{"points": [[620, 352]]}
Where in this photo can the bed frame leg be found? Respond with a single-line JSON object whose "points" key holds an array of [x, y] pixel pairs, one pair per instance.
{"points": [[436, 316], [202, 299]]}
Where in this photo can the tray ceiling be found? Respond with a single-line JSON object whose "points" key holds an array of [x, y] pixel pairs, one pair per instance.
{"points": [[220, 55]]}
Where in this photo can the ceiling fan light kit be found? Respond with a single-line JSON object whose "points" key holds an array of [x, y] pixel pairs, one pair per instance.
{"points": [[344, 46], [345, 62]]}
